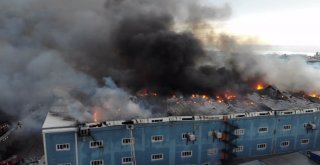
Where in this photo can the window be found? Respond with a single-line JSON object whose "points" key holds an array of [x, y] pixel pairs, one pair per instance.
{"points": [[64, 164], [156, 120], [212, 151], [238, 132], [96, 144], [157, 138], [263, 129], [185, 154], [84, 132], [304, 141], [287, 113], [126, 141], [63, 147], [184, 135], [286, 127], [284, 144], [127, 160], [238, 149], [156, 157], [261, 146], [308, 111], [96, 162]]}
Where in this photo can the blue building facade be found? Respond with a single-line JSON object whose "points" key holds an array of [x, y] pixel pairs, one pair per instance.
{"points": [[200, 140]]}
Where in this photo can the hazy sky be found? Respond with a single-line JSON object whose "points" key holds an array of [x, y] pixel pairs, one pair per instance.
{"points": [[277, 22]]}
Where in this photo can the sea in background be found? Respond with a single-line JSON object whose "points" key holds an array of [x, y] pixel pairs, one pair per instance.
{"points": [[284, 52], [288, 50]]}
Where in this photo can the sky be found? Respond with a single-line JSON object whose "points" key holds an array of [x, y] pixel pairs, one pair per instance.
{"points": [[277, 22]]}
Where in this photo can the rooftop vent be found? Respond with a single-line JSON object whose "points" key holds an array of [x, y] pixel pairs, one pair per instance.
{"points": [[83, 131]]}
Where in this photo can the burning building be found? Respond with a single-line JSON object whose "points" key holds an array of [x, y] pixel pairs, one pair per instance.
{"points": [[195, 129], [180, 139], [138, 60]]}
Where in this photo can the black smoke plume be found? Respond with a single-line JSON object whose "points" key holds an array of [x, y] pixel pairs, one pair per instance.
{"points": [[142, 50]]}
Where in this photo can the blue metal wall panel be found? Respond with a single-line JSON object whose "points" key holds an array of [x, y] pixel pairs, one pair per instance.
{"points": [[287, 120], [56, 157], [260, 152], [186, 160], [284, 149], [246, 148], [173, 144], [157, 130], [260, 122], [299, 146]]}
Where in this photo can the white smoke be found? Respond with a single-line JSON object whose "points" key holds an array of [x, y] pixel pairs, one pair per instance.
{"points": [[288, 73], [35, 38], [112, 103]]}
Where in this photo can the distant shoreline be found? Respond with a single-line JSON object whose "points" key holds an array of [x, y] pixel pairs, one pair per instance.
{"points": [[282, 52]]}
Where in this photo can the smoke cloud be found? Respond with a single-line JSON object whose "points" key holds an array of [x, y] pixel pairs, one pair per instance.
{"points": [[144, 50], [55, 55], [292, 74]]}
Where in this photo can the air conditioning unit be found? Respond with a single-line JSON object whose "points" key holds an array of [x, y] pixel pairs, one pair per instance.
{"points": [[311, 126], [218, 134], [191, 137]]}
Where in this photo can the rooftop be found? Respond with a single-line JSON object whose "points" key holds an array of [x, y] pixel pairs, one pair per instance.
{"points": [[57, 121]]}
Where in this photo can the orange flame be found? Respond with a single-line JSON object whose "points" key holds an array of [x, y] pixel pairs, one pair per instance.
{"points": [[314, 95], [199, 96], [205, 97], [95, 117], [146, 92], [259, 87], [97, 111], [219, 99], [227, 96]]}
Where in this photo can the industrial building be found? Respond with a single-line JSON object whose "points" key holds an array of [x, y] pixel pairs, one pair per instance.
{"points": [[180, 140]]}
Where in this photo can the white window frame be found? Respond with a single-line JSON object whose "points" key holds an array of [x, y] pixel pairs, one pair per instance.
{"points": [[263, 131], [304, 143], [261, 146], [238, 149], [285, 143], [127, 160], [239, 131], [157, 138], [157, 157], [186, 154], [64, 164], [212, 151], [59, 147], [96, 144], [96, 162], [287, 127], [124, 141]]}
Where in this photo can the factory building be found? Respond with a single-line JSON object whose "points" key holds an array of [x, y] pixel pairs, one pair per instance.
{"points": [[180, 140]]}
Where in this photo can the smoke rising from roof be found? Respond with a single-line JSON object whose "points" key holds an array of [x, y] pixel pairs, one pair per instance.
{"points": [[144, 51], [58, 52]]}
